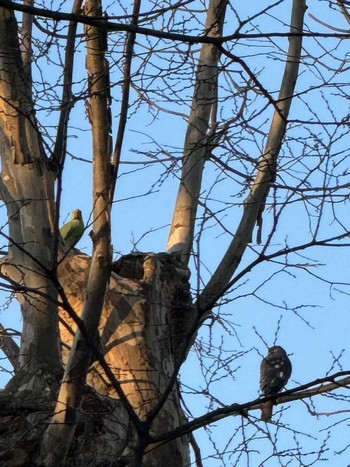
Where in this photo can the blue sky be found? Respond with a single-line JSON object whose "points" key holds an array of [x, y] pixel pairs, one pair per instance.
{"points": [[311, 317]]}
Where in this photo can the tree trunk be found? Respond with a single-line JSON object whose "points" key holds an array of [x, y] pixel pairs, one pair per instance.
{"points": [[144, 328], [120, 385], [27, 189]]}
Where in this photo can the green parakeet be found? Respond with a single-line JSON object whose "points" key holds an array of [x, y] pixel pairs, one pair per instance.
{"points": [[72, 232]]}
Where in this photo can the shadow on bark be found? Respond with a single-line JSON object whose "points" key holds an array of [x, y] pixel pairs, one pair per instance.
{"points": [[147, 316]]}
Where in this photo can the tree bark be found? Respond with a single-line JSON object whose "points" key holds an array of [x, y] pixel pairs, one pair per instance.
{"points": [[196, 143], [27, 190], [147, 315], [58, 437], [146, 312]]}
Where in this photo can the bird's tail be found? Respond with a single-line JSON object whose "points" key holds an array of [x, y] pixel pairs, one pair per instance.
{"points": [[266, 411]]}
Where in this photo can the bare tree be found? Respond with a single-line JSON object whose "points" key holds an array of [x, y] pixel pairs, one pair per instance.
{"points": [[96, 377]]}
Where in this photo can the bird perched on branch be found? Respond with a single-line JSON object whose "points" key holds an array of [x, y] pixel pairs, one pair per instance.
{"points": [[275, 371], [72, 232]]}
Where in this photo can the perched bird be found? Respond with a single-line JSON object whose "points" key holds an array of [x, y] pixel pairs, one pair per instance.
{"points": [[275, 371], [72, 232]]}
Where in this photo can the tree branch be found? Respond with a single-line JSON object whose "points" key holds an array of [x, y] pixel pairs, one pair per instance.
{"points": [[26, 42], [266, 172], [301, 392], [196, 144], [58, 437], [60, 148], [102, 22], [129, 50]]}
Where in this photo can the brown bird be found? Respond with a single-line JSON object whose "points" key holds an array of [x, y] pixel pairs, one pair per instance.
{"points": [[275, 371]]}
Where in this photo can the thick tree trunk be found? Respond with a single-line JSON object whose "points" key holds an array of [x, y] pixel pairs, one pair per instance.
{"points": [[147, 315], [144, 329], [106, 414], [27, 190]]}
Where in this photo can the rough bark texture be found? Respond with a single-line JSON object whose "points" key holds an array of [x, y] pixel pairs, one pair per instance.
{"points": [[146, 316], [119, 387]]}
